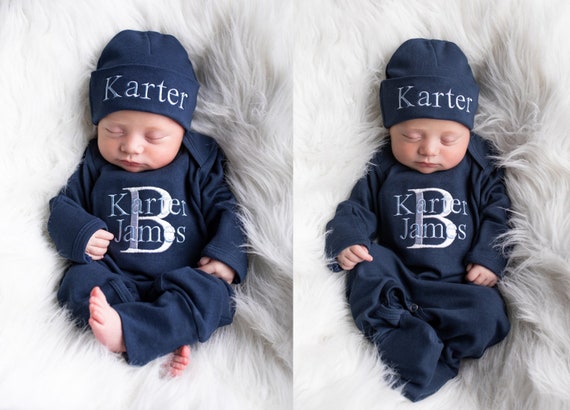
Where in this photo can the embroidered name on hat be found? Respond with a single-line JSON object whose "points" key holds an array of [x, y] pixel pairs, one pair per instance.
{"points": [[143, 91], [448, 100]]}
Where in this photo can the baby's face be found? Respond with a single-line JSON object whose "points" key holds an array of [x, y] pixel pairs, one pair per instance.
{"points": [[139, 141], [428, 145]]}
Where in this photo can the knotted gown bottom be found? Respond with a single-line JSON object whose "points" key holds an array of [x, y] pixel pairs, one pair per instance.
{"points": [[423, 328]]}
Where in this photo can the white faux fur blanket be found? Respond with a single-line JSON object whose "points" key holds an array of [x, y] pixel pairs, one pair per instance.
{"points": [[520, 53], [286, 86], [47, 51]]}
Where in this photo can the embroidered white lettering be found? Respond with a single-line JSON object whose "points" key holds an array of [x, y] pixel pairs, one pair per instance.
{"points": [[146, 85], [130, 89], [431, 220], [109, 87], [408, 98], [161, 87], [148, 223], [402, 97]]}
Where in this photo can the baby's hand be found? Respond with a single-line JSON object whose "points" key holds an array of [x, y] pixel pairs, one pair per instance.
{"points": [[352, 256], [218, 269], [480, 275], [98, 244]]}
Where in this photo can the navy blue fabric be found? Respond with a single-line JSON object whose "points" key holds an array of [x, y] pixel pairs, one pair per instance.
{"points": [[428, 79], [423, 328], [422, 230], [180, 307], [417, 214], [144, 71], [164, 221]]}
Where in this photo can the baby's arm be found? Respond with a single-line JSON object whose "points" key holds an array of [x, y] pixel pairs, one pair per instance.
{"points": [[218, 269], [70, 224], [480, 275], [220, 211], [98, 244], [352, 256]]}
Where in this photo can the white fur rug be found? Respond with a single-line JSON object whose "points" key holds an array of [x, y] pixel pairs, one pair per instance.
{"points": [[242, 58], [251, 74], [520, 53]]}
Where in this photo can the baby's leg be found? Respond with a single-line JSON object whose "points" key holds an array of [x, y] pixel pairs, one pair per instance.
{"points": [[467, 323], [80, 280], [105, 322], [184, 306], [414, 349]]}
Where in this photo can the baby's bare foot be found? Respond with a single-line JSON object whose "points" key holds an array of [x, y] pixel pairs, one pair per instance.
{"points": [[105, 322], [178, 362]]}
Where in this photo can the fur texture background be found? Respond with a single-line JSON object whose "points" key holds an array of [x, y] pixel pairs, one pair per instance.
{"points": [[241, 56], [256, 60], [519, 51]]}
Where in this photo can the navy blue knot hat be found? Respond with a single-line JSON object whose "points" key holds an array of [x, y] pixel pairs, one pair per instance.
{"points": [[144, 71], [428, 79]]}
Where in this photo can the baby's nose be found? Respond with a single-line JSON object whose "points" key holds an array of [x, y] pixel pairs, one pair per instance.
{"points": [[132, 145], [429, 148]]}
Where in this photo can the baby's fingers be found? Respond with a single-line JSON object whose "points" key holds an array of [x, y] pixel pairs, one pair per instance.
{"points": [[104, 235], [98, 243], [346, 265], [361, 252], [204, 260]]}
